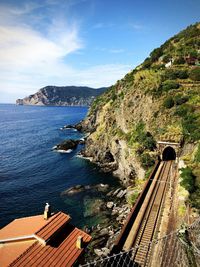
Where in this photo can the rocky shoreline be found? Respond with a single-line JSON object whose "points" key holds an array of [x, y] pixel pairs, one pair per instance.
{"points": [[114, 209], [105, 234], [112, 205]]}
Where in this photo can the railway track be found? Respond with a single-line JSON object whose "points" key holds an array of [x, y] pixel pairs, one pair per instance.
{"points": [[151, 216], [146, 222]]}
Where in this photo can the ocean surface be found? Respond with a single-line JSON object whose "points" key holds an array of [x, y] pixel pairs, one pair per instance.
{"points": [[31, 174]]}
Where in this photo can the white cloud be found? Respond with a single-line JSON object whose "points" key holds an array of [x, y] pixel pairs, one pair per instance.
{"points": [[28, 56], [23, 47], [102, 75], [31, 58]]}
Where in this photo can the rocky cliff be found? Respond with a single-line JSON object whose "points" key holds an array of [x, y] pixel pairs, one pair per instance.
{"points": [[62, 96], [159, 100]]}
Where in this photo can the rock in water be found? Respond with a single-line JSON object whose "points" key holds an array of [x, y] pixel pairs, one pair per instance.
{"points": [[67, 144]]}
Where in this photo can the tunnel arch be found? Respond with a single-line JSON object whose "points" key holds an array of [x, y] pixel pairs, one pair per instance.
{"points": [[169, 153]]}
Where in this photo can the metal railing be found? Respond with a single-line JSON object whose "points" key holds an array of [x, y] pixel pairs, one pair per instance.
{"points": [[180, 248]]}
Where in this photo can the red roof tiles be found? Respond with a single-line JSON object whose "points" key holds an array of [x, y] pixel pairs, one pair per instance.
{"points": [[23, 227], [54, 224], [59, 246], [63, 254]]}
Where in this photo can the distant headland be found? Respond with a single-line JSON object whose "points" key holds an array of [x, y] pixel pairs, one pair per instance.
{"points": [[62, 96]]}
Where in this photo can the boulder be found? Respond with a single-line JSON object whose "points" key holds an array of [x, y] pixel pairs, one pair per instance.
{"points": [[110, 193], [73, 190], [105, 251], [104, 231], [110, 204], [121, 193], [116, 191], [98, 252], [80, 188], [67, 144], [102, 187]]}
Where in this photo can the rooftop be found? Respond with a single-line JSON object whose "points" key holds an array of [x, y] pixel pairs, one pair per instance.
{"points": [[33, 241]]}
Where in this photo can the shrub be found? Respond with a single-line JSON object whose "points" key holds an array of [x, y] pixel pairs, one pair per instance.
{"points": [[133, 197], [158, 67], [148, 172], [195, 198], [169, 74], [179, 60], [148, 141], [146, 160], [188, 179], [172, 74], [147, 63], [129, 77], [179, 99], [156, 53], [195, 74], [169, 85], [182, 74], [166, 58], [191, 127], [193, 53], [190, 122], [143, 138], [183, 110], [168, 102]]}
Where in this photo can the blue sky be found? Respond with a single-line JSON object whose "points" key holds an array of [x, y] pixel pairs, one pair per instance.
{"points": [[81, 42]]}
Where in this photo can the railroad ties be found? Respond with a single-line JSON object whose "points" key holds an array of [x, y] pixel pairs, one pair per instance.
{"points": [[147, 221]]}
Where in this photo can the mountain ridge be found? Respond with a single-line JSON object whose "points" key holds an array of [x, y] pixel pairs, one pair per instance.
{"points": [[62, 96]]}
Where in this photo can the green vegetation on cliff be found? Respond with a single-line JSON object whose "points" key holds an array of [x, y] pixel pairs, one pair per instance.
{"points": [[158, 100]]}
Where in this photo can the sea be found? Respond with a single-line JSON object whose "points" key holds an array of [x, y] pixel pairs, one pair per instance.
{"points": [[32, 174]]}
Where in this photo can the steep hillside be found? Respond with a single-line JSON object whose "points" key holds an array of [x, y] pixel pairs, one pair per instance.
{"points": [[159, 100], [62, 96]]}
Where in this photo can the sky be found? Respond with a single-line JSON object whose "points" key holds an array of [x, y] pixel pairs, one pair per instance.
{"points": [[81, 42]]}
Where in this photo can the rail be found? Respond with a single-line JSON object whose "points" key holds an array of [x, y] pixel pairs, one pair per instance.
{"points": [[118, 246], [143, 221]]}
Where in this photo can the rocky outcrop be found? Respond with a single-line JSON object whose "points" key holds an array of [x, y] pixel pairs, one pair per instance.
{"points": [[68, 145], [105, 234], [62, 96], [81, 188]]}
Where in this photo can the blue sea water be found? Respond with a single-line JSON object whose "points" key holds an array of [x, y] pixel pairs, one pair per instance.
{"points": [[31, 174]]}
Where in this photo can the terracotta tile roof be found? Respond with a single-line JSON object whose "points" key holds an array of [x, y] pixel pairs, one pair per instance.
{"points": [[22, 227], [34, 225], [54, 224], [10, 251], [41, 242], [61, 251]]}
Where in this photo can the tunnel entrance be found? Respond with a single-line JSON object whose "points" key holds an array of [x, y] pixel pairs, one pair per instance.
{"points": [[169, 153]]}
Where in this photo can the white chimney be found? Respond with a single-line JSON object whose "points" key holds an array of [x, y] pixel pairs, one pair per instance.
{"points": [[47, 211], [79, 242]]}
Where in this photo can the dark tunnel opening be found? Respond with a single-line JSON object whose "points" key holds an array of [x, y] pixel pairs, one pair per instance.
{"points": [[169, 153]]}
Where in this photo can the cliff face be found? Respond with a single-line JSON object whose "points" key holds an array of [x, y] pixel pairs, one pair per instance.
{"points": [[62, 96], [159, 100]]}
